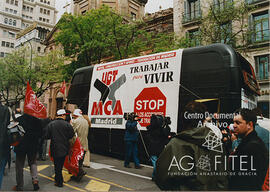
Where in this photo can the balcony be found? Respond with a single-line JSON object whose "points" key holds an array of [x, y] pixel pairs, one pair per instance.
{"points": [[222, 6], [192, 16], [257, 2]]}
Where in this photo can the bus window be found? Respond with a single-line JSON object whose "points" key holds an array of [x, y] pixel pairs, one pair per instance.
{"points": [[249, 77], [78, 79]]}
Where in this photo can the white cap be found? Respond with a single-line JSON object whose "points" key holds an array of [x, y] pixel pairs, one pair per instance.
{"points": [[77, 112], [61, 112]]}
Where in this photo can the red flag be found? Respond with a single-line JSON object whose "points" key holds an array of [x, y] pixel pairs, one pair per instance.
{"points": [[32, 106], [63, 88]]}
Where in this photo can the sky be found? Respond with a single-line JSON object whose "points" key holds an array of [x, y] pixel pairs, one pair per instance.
{"points": [[151, 6]]}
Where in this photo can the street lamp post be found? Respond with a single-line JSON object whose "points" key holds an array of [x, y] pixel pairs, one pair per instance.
{"points": [[31, 51]]}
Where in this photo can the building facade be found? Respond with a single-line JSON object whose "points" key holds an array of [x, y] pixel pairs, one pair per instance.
{"points": [[159, 22], [17, 15], [130, 8], [187, 15], [32, 37]]}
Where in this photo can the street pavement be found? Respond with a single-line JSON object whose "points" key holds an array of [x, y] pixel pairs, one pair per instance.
{"points": [[104, 174]]}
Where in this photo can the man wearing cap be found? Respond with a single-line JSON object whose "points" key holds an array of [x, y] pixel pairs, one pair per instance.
{"points": [[60, 132], [81, 128]]}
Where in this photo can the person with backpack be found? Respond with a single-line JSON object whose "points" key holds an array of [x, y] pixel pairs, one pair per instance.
{"points": [[186, 161], [4, 144], [28, 146]]}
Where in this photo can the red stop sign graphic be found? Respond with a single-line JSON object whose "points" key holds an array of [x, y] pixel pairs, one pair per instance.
{"points": [[150, 101]]}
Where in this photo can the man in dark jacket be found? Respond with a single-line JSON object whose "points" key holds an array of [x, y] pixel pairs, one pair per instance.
{"points": [[250, 161], [60, 132], [4, 145], [28, 146], [131, 141], [194, 159], [158, 132]]}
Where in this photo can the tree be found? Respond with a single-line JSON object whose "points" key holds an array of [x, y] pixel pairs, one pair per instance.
{"points": [[15, 72], [225, 22], [100, 33]]}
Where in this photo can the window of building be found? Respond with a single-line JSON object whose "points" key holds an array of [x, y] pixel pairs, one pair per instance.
{"points": [[11, 2], [38, 49], [16, 3], [24, 7], [47, 20], [194, 37], [6, 21], [40, 18], [15, 11], [10, 22], [7, 1], [260, 27], [2, 54], [12, 45], [3, 43], [41, 1], [191, 10], [42, 34], [48, 12], [41, 10], [5, 33], [11, 35], [133, 16], [31, 9], [7, 44], [6, 9], [226, 33], [14, 22], [262, 67]]}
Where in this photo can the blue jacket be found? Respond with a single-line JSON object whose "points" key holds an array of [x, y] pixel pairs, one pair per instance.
{"points": [[263, 134], [132, 132]]}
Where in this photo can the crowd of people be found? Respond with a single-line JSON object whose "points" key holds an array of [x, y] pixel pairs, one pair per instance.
{"points": [[207, 158], [199, 157], [62, 132]]}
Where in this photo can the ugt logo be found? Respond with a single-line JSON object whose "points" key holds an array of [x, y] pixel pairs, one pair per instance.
{"points": [[107, 87]]}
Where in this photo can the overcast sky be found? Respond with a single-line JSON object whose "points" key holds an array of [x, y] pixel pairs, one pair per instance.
{"points": [[151, 7]]}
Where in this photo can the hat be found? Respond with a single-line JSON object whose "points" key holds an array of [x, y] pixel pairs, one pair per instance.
{"points": [[77, 112], [61, 112]]}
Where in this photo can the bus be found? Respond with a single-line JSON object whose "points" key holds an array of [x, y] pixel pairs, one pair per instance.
{"points": [[161, 84]]}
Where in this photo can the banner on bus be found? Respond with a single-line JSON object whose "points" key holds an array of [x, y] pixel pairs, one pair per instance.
{"points": [[145, 85]]}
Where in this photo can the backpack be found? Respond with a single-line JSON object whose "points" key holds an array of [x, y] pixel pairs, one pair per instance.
{"points": [[15, 133]]}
